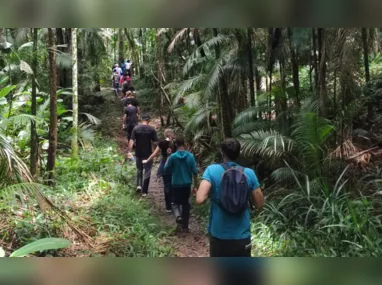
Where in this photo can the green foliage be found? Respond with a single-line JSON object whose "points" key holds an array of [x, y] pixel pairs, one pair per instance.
{"points": [[41, 245]]}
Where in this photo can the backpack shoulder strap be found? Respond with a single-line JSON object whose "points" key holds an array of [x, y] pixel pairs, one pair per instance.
{"points": [[225, 166]]}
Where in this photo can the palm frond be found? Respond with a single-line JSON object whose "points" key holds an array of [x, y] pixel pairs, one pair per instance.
{"points": [[92, 119], [18, 121], [12, 168], [63, 60], [285, 174], [266, 143], [180, 34], [246, 128]]}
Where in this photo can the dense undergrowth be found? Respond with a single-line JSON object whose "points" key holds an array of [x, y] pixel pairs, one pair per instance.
{"points": [[96, 193]]}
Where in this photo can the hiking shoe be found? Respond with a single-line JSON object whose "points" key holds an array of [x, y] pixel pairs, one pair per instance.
{"points": [[179, 220], [139, 189], [168, 211], [144, 195], [185, 230]]}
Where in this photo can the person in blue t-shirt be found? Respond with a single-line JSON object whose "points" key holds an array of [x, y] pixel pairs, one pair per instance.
{"points": [[182, 166], [230, 235]]}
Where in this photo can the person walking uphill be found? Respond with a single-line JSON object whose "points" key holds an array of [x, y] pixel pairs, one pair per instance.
{"points": [[144, 135], [182, 166], [230, 188], [165, 147]]}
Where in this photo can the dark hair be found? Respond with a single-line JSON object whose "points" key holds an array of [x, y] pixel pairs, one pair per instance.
{"points": [[145, 117], [179, 141], [230, 148]]}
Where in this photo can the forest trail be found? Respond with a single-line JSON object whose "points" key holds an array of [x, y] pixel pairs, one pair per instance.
{"points": [[193, 244]]}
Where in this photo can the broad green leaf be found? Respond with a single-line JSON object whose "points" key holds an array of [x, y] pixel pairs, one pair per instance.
{"points": [[41, 245], [5, 91]]}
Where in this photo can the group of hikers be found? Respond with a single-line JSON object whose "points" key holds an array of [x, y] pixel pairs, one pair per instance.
{"points": [[121, 76], [233, 190]]}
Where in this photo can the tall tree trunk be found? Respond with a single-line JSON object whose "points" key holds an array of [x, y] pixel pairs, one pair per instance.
{"points": [[159, 76], [315, 67], [60, 73], [143, 49], [296, 79], [53, 107], [226, 115], [250, 70], [115, 44], [34, 138], [198, 42], [121, 47], [322, 73], [75, 94], [285, 123], [370, 111], [68, 72]]}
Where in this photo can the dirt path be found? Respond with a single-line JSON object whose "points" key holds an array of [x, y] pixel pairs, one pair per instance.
{"points": [[193, 244]]}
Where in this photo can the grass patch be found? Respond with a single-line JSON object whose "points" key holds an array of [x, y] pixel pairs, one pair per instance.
{"points": [[96, 192]]}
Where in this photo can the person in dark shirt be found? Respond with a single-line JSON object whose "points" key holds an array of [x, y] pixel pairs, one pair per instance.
{"points": [[130, 98], [165, 147], [130, 119], [144, 135]]}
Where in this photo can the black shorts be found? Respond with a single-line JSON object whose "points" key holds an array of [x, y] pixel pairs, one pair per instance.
{"points": [[230, 247]]}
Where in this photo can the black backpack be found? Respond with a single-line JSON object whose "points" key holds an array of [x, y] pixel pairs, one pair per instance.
{"points": [[234, 190]]}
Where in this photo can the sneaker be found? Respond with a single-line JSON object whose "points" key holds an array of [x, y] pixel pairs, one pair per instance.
{"points": [[185, 230], [139, 189], [144, 195], [179, 220], [168, 211]]}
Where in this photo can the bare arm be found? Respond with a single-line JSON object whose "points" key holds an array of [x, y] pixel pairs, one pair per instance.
{"points": [[155, 153], [258, 198], [203, 192], [124, 119], [131, 144]]}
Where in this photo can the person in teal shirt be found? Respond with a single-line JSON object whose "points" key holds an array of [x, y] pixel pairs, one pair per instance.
{"points": [[182, 166], [230, 234]]}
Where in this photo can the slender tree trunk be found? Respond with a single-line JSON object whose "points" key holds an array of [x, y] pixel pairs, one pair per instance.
{"points": [[60, 73], [322, 73], [115, 45], [121, 50], [75, 94], [199, 42], [370, 111], [53, 108], [143, 49], [34, 138], [68, 41], [250, 63], [159, 60], [226, 112], [296, 79], [314, 41]]}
